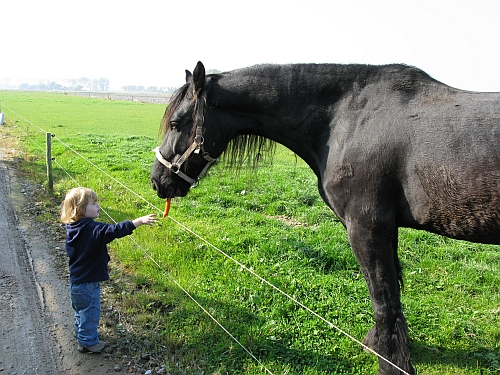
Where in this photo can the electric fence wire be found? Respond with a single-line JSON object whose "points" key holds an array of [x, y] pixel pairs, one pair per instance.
{"points": [[329, 323], [166, 273], [146, 253]]}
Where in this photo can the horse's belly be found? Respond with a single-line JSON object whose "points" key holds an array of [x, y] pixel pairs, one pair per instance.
{"points": [[460, 204]]}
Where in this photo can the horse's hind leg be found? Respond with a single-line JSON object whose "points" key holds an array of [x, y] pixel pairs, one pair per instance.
{"points": [[375, 247]]}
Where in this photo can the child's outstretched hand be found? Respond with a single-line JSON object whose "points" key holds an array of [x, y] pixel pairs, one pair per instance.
{"points": [[148, 220]]}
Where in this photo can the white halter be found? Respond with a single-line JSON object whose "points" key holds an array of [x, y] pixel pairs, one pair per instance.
{"points": [[175, 166]]}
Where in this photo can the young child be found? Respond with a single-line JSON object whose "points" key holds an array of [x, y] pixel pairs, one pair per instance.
{"points": [[86, 241]]}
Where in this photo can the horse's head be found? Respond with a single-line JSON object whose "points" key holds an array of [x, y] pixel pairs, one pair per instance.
{"points": [[181, 159]]}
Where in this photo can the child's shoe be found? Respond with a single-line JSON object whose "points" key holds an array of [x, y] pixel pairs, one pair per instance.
{"points": [[96, 348]]}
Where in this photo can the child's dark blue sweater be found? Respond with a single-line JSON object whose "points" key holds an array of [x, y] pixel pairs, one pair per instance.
{"points": [[86, 242]]}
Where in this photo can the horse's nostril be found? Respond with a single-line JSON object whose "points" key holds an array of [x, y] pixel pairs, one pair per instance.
{"points": [[155, 186]]}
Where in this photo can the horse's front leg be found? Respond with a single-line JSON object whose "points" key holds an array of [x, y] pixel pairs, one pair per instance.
{"points": [[375, 247]]}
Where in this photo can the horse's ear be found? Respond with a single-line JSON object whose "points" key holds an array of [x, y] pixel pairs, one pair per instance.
{"points": [[199, 77], [188, 75]]}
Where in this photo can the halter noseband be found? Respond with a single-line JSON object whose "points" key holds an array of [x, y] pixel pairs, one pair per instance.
{"points": [[196, 147]]}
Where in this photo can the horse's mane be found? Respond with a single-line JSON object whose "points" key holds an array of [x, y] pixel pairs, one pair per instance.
{"points": [[172, 105], [248, 149], [245, 149]]}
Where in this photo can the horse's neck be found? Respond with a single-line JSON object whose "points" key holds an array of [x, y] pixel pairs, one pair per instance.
{"points": [[281, 96], [268, 89], [292, 116]]}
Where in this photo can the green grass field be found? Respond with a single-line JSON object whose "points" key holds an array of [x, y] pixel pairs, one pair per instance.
{"points": [[281, 230]]}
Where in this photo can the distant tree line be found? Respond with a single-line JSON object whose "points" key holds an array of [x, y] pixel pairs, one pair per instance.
{"points": [[83, 83], [132, 88]]}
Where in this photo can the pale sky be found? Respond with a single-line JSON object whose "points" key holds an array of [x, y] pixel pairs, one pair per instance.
{"points": [[151, 43]]}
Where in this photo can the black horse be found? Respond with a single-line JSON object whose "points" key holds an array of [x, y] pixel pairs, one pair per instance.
{"points": [[391, 147]]}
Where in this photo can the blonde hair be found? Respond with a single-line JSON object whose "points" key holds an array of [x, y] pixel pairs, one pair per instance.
{"points": [[75, 204]]}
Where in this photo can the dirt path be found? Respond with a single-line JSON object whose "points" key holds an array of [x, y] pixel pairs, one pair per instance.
{"points": [[35, 313]]}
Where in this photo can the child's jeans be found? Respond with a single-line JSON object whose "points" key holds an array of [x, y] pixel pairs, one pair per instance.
{"points": [[86, 301]]}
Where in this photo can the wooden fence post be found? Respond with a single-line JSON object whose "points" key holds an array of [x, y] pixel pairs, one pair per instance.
{"points": [[49, 163]]}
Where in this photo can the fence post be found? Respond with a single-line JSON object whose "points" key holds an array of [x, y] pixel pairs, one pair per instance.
{"points": [[49, 162]]}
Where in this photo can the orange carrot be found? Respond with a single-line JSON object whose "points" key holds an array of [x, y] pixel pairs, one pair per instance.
{"points": [[167, 207]]}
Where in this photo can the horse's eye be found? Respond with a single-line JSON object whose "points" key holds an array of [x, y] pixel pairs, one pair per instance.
{"points": [[173, 125]]}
